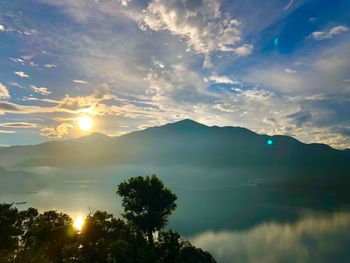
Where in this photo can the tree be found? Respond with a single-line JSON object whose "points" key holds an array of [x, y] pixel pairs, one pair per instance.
{"points": [[173, 249], [45, 236], [10, 231], [100, 230], [147, 203]]}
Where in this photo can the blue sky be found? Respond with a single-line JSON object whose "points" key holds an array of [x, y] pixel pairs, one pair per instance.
{"points": [[276, 67]]}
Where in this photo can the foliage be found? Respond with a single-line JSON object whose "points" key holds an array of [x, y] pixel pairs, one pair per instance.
{"points": [[10, 231], [147, 203], [48, 237]]}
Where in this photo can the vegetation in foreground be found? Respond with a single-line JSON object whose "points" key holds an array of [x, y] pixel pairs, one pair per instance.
{"points": [[30, 236]]}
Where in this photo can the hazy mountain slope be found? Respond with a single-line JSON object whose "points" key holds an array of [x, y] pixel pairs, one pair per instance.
{"points": [[19, 182], [178, 143], [190, 143], [52, 152]]}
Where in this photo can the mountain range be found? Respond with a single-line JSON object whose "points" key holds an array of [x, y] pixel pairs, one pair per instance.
{"points": [[280, 159]]}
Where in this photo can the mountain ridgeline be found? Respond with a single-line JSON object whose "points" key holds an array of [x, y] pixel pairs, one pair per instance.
{"points": [[190, 143]]}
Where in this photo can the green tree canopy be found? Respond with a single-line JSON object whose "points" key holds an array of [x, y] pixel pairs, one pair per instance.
{"points": [[147, 203]]}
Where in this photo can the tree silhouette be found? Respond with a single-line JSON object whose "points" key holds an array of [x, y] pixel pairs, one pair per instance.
{"points": [[147, 203], [45, 235], [10, 232]]}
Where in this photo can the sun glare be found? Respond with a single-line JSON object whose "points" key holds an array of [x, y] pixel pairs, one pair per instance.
{"points": [[78, 223], [85, 123]]}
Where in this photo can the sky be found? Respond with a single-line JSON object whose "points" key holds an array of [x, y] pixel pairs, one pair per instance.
{"points": [[273, 66]]}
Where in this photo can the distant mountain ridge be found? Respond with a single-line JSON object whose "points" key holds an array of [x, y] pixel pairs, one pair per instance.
{"points": [[183, 141], [193, 144]]}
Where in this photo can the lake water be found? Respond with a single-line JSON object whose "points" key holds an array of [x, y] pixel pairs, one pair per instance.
{"points": [[222, 211]]}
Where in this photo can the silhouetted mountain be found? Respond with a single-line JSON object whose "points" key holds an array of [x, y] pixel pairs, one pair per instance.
{"points": [[190, 143]]}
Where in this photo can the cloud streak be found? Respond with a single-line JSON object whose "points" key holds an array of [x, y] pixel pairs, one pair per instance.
{"points": [[78, 81], [322, 35], [18, 125], [21, 74]]}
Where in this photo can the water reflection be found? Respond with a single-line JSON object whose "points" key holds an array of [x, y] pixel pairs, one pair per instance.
{"points": [[208, 200], [314, 238]]}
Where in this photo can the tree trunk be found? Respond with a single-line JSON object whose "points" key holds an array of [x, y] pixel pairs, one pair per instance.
{"points": [[150, 237]]}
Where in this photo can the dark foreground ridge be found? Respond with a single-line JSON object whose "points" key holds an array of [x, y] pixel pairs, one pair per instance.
{"points": [[49, 237]]}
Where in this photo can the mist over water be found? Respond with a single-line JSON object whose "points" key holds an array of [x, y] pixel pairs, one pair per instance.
{"points": [[224, 211], [314, 238]]}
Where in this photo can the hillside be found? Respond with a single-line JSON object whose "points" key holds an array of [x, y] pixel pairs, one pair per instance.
{"points": [[190, 143]]}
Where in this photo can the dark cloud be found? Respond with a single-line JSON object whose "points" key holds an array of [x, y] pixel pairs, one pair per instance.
{"points": [[300, 117], [7, 106], [333, 111], [345, 131], [18, 125]]}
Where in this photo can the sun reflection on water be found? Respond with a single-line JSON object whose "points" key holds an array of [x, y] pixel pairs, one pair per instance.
{"points": [[78, 223]]}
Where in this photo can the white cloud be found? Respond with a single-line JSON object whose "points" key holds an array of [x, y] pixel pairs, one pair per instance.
{"points": [[50, 66], [321, 35], [27, 57], [2, 28], [15, 84], [244, 50], [276, 78], [74, 105], [223, 79], [251, 104], [179, 84], [21, 74], [40, 90], [290, 3], [290, 71], [83, 10], [201, 24], [78, 81], [17, 60], [7, 132], [33, 64], [4, 93], [124, 2], [59, 131]]}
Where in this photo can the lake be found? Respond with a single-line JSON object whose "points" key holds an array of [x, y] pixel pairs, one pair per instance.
{"points": [[224, 211]]}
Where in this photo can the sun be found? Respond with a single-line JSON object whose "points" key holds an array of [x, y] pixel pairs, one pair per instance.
{"points": [[85, 123], [78, 223]]}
